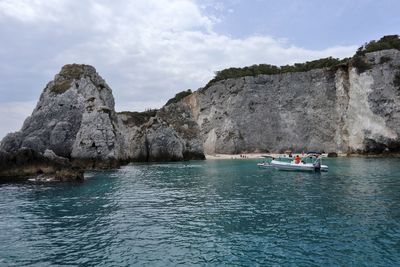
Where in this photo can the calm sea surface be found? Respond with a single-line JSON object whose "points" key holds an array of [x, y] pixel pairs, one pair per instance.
{"points": [[208, 213]]}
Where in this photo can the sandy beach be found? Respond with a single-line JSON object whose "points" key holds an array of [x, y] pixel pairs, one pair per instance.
{"points": [[235, 156], [244, 156], [252, 155]]}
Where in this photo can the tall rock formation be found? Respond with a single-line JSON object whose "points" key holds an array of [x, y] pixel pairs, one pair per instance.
{"points": [[75, 118], [337, 109]]}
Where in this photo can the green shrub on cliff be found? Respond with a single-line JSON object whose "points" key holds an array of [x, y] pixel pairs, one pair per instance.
{"points": [[267, 69], [67, 75], [386, 42], [360, 64], [138, 118], [60, 87], [178, 97]]}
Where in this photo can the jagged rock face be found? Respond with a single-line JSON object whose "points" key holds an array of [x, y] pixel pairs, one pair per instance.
{"points": [[173, 132], [268, 113], [72, 117], [53, 124], [163, 142], [333, 110], [132, 135], [75, 118], [169, 134]]}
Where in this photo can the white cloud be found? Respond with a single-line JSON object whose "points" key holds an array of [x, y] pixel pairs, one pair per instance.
{"points": [[31, 10], [147, 50]]}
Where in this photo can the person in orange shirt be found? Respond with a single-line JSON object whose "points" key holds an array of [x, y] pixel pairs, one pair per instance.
{"points": [[297, 159]]}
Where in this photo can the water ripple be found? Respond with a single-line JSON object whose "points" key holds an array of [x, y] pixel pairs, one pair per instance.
{"points": [[207, 214]]}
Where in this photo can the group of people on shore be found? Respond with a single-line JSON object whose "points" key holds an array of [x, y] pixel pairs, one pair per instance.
{"points": [[241, 157]]}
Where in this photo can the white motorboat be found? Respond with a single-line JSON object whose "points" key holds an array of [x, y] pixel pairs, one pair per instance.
{"points": [[308, 163]]}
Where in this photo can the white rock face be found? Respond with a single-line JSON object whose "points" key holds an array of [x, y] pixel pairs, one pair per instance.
{"points": [[268, 113], [361, 122], [342, 99]]}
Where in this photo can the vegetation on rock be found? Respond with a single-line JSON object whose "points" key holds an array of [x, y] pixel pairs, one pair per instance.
{"points": [[386, 42], [178, 97], [67, 75], [360, 64], [267, 69], [138, 118], [72, 71], [61, 87]]}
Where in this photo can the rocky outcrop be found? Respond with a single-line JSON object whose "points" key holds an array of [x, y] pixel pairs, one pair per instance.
{"points": [[169, 134], [75, 118], [173, 134], [27, 162], [72, 117], [339, 109]]}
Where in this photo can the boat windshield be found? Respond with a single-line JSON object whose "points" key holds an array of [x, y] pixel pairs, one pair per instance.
{"points": [[309, 158]]}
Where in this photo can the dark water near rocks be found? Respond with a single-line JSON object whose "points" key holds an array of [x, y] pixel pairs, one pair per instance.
{"points": [[208, 213]]}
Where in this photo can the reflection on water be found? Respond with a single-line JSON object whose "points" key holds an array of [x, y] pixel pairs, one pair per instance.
{"points": [[208, 213]]}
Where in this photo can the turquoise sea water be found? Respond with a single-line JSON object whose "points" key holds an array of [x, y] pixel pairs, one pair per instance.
{"points": [[208, 213]]}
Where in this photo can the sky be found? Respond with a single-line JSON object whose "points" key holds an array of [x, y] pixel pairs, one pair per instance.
{"points": [[148, 50]]}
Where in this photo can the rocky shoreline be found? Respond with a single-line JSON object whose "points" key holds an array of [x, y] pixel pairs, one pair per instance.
{"points": [[27, 163]]}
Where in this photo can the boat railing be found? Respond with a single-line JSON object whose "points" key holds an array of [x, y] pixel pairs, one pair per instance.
{"points": [[308, 158]]}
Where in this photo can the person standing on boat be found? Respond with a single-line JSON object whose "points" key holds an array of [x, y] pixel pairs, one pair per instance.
{"points": [[297, 159]]}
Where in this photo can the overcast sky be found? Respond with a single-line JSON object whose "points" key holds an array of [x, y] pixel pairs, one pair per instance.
{"points": [[148, 50]]}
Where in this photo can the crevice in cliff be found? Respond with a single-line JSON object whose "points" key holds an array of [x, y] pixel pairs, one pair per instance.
{"points": [[342, 86]]}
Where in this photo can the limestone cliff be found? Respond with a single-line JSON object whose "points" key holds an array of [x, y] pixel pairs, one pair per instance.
{"points": [[352, 107], [337, 109], [75, 118]]}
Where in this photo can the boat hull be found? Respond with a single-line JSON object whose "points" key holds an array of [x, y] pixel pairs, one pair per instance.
{"points": [[264, 165], [286, 166]]}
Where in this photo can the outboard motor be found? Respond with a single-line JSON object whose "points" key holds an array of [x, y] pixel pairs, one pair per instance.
{"points": [[317, 165]]}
